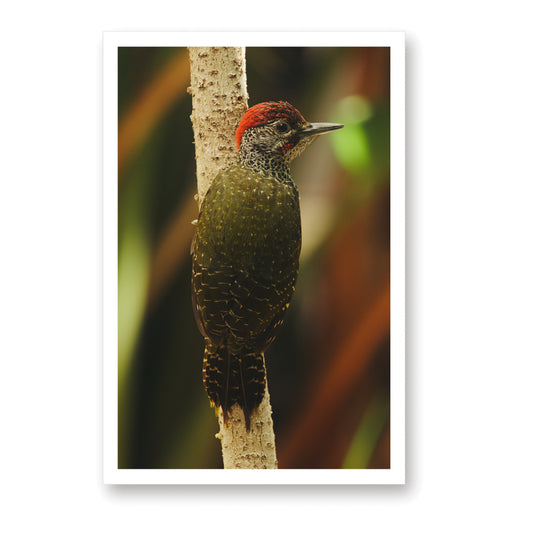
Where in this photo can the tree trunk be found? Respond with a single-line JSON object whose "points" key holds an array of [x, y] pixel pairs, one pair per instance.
{"points": [[219, 98]]}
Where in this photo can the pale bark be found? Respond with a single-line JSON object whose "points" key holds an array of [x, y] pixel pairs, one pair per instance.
{"points": [[249, 449], [219, 98]]}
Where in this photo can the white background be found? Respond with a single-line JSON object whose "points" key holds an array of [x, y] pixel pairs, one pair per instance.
{"points": [[469, 265]]}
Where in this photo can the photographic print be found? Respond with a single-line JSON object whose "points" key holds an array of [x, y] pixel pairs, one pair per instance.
{"points": [[254, 292]]}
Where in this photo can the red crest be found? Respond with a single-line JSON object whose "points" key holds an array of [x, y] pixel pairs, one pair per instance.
{"points": [[266, 112]]}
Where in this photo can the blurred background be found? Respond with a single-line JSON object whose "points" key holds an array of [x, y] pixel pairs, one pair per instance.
{"points": [[329, 368]]}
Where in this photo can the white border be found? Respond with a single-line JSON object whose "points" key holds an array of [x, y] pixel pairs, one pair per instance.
{"points": [[113, 475]]}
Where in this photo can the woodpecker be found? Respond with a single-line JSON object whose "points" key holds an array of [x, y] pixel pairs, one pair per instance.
{"points": [[245, 253]]}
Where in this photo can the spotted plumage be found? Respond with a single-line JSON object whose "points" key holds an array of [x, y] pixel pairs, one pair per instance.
{"points": [[246, 251]]}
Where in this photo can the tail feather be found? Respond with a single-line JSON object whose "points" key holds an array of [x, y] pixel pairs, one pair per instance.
{"points": [[231, 378]]}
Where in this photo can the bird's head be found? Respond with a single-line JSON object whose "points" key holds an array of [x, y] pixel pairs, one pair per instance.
{"points": [[277, 129]]}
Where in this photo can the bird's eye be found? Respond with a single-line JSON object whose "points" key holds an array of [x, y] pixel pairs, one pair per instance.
{"points": [[282, 127]]}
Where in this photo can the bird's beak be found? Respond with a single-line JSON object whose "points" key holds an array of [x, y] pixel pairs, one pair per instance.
{"points": [[318, 128]]}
